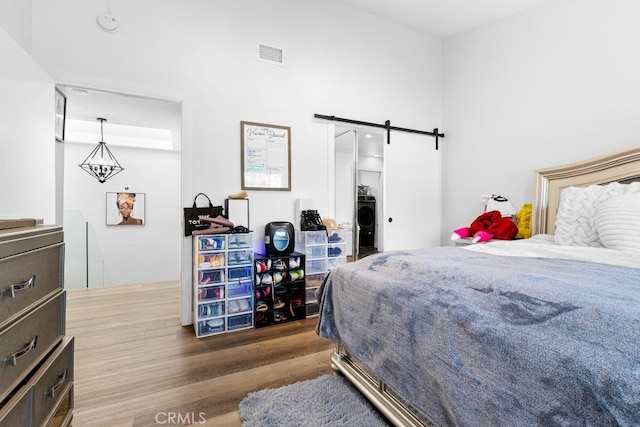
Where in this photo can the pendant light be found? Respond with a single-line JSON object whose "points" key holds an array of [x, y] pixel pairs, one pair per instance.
{"points": [[101, 163]]}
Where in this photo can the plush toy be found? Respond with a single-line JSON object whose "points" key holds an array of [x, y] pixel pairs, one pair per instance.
{"points": [[489, 225]]}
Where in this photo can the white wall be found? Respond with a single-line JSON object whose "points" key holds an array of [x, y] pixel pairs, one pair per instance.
{"points": [[15, 19], [27, 143], [205, 53], [132, 254], [551, 86]]}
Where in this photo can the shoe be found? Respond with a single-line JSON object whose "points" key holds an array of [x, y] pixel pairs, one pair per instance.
{"points": [[335, 238], [307, 222], [262, 306], [294, 262], [241, 195], [243, 305], [279, 264], [315, 217], [278, 304], [261, 266], [266, 279]]}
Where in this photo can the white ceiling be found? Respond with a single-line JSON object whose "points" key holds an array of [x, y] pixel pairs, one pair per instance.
{"points": [[443, 18]]}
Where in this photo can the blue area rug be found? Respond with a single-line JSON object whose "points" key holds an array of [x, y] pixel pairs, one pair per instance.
{"points": [[329, 400]]}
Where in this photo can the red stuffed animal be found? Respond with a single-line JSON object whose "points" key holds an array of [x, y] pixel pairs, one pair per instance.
{"points": [[489, 225]]}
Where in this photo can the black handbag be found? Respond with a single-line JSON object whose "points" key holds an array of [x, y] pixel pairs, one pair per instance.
{"points": [[193, 213]]}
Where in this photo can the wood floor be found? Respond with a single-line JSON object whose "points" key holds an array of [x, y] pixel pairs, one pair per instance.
{"points": [[135, 365]]}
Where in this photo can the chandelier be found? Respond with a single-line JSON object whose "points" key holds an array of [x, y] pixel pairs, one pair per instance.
{"points": [[100, 163]]}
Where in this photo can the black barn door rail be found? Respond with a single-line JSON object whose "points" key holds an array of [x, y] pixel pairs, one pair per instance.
{"points": [[386, 125]]}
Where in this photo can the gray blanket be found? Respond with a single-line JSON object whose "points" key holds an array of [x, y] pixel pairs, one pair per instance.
{"points": [[475, 339]]}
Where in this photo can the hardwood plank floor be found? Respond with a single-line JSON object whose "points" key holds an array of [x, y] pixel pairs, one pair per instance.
{"points": [[135, 365]]}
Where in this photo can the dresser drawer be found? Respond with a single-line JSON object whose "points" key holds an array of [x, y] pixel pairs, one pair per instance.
{"points": [[28, 277], [53, 385], [46, 398], [24, 344]]}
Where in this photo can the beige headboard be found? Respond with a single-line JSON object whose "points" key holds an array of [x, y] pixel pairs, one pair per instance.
{"points": [[621, 166]]}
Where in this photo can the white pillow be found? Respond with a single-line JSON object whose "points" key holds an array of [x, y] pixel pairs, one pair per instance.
{"points": [[575, 219], [618, 222]]}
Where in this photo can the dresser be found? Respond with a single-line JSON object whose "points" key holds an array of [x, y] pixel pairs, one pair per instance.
{"points": [[36, 357]]}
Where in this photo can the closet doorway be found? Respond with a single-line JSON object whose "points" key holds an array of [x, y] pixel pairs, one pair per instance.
{"points": [[359, 194], [387, 196]]}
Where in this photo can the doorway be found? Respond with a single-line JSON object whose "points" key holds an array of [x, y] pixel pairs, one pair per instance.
{"points": [[358, 190], [144, 134], [403, 178]]}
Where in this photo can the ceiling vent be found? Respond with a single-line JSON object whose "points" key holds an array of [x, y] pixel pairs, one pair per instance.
{"points": [[270, 54]]}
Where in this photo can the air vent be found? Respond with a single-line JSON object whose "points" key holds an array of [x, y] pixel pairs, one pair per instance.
{"points": [[270, 54]]}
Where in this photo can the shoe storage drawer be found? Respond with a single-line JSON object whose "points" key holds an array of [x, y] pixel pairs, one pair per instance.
{"points": [[240, 305], [241, 257], [241, 288], [240, 321], [28, 277], [211, 260], [313, 309], [337, 236], [210, 293], [210, 277], [240, 273], [211, 243], [315, 280], [241, 241], [310, 295], [314, 252], [336, 250], [211, 309], [334, 262], [211, 326], [316, 266], [26, 341], [311, 237]]}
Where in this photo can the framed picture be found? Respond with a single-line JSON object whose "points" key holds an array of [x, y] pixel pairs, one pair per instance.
{"points": [[125, 208], [266, 156], [61, 114]]}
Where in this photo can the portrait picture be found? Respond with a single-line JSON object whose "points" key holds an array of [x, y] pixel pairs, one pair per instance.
{"points": [[125, 208]]}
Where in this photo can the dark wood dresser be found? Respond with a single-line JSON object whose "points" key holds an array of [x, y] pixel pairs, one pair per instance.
{"points": [[36, 358]]}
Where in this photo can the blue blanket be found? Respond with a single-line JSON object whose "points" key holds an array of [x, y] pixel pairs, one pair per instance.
{"points": [[474, 339]]}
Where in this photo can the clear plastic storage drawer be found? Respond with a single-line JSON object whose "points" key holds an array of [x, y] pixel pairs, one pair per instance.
{"points": [[240, 241], [305, 238], [240, 257], [240, 288], [211, 243], [210, 293], [316, 266], [240, 321]]}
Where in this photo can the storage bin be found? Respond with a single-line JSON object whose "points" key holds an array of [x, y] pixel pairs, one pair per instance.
{"points": [[240, 257], [305, 238], [337, 236], [239, 305], [240, 241], [240, 321], [336, 250], [315, 280], [240, 273], [210, 277], [211, 243], [334, 262], [241, 288], [316, 266], [210, 293], [211, 326]]}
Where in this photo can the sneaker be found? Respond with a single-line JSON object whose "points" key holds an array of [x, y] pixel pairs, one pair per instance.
{"points": [[279, 264]]}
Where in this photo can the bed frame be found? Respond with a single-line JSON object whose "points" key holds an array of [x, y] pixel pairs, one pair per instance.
{"points": [[621, 166]]}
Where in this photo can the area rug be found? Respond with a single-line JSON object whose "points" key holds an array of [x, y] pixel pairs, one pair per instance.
{"points": [[329, 400]]}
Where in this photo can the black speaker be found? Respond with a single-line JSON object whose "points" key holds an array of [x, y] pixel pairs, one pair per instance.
{"points": [[367, 221]]}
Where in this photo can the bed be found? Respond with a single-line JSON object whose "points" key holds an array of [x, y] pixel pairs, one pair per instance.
{"points": [[541, 331]]}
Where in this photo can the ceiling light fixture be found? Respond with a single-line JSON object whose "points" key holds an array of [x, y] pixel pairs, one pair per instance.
{"points": [[100, 163]]}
